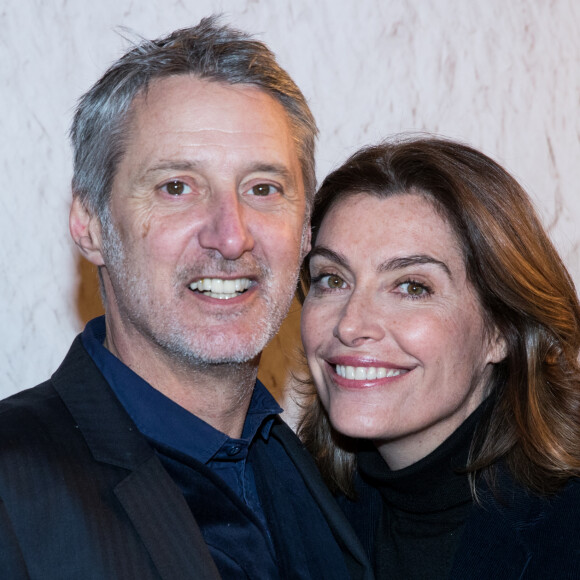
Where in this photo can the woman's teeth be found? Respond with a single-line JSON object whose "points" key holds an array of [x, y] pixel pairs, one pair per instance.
{"points": [[366, 373]]}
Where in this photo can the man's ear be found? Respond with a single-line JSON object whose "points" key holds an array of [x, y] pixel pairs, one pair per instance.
{"points": [[85, 230], [306, 241]]}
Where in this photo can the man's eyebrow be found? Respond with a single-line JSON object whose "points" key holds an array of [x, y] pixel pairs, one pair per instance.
{"points": [[277, 169], [170, 165], [175, 165], [388, 266]]}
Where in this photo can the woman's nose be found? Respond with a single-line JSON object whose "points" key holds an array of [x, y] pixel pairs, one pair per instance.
{"points": [[359, 321]]}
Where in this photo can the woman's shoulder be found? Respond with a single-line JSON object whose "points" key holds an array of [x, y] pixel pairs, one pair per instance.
{"points": [[518, 503], [514, 533], [541, 529]]}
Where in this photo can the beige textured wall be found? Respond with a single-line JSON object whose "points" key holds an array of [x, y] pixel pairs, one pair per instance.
{"points": [[503, 76]]}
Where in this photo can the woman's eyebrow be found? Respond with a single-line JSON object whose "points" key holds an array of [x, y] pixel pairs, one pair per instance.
{"points": [[406, 261], [329, 254], [387, 266]]}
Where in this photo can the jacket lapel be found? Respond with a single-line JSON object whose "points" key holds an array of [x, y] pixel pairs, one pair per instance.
{"points": [[152, 501], [163, 519], [358, 563]]}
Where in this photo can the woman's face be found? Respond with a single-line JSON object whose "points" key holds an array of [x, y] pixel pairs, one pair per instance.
{"points": [[392, 328]]}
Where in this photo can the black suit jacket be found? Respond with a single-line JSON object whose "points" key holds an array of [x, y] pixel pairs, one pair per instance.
{"points": [[83, 495]]}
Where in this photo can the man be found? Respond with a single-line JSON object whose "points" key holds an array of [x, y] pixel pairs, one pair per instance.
{"points": [[153, 452]]}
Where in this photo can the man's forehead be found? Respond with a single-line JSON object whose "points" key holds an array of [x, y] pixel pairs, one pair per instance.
{"points": [[213, 93], [187, 103], [186, 118]]}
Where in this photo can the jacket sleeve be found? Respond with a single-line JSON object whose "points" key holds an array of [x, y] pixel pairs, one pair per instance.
{"points": [[12, 563]]}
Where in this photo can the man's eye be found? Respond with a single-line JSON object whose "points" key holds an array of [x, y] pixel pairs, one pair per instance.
{"points": [[263, 189], [176, 188]]}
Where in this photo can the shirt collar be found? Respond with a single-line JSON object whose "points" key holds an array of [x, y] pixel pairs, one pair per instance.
{"points": [[162, 420]]}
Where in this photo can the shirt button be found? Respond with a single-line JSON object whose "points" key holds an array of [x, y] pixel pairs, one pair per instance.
{"points": [[233, 450]]}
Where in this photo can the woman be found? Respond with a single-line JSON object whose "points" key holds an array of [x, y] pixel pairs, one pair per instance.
{"points": [[442, 329]]}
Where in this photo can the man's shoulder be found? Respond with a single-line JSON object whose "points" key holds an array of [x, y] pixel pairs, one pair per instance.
{"points": [[29, 419], [33, 402], [33, 413]]}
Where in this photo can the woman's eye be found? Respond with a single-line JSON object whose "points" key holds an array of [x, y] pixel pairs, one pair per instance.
{"points": [[334, 281], [176, 188], [263, 189], [323, 283], [413, 289]]}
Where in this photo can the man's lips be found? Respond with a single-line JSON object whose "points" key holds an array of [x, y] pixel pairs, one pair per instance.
{"points": [[221, 288]]}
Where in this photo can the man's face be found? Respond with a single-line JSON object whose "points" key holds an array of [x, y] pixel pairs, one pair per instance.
{"points": [[207, 223]]}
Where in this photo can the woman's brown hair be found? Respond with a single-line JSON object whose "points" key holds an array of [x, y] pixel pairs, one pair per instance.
{"points": [[526, 293]]}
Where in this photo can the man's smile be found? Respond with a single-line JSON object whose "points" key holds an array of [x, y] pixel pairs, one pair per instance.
{"points": [[221, 288]]}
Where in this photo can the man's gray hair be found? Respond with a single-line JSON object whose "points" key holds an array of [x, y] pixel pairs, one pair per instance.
{"points": [[208, 51]]}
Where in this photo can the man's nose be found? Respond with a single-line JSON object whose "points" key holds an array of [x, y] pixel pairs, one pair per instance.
{"points": [[226, 227]]}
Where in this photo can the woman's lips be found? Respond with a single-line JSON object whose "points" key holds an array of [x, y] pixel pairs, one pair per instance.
{"points": [[351, 369], [367, 373]]}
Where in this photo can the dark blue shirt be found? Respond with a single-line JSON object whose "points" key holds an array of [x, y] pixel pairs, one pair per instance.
{"points": [[171, 426], [280, 533]]}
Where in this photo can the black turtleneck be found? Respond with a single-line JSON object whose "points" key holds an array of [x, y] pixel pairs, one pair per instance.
{"points": [[425, 507]]}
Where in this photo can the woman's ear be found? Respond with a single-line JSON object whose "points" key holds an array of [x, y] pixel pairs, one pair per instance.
{"points": [[497, 347], [85, 230]]}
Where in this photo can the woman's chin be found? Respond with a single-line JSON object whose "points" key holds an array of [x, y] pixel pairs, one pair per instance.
{"points": [[357, 426]]}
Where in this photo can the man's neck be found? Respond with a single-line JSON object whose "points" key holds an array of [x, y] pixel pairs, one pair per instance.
{"points": [[218, 394]]}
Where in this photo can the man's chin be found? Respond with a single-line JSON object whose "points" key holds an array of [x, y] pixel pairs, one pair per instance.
{"points": [[222, 350]]}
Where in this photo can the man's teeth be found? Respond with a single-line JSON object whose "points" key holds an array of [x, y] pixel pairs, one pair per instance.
{"points": [[367, 373], [220, 288]]}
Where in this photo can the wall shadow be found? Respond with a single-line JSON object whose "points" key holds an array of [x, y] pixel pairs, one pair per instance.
{"points": [[88, 296], [282, 367]]}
